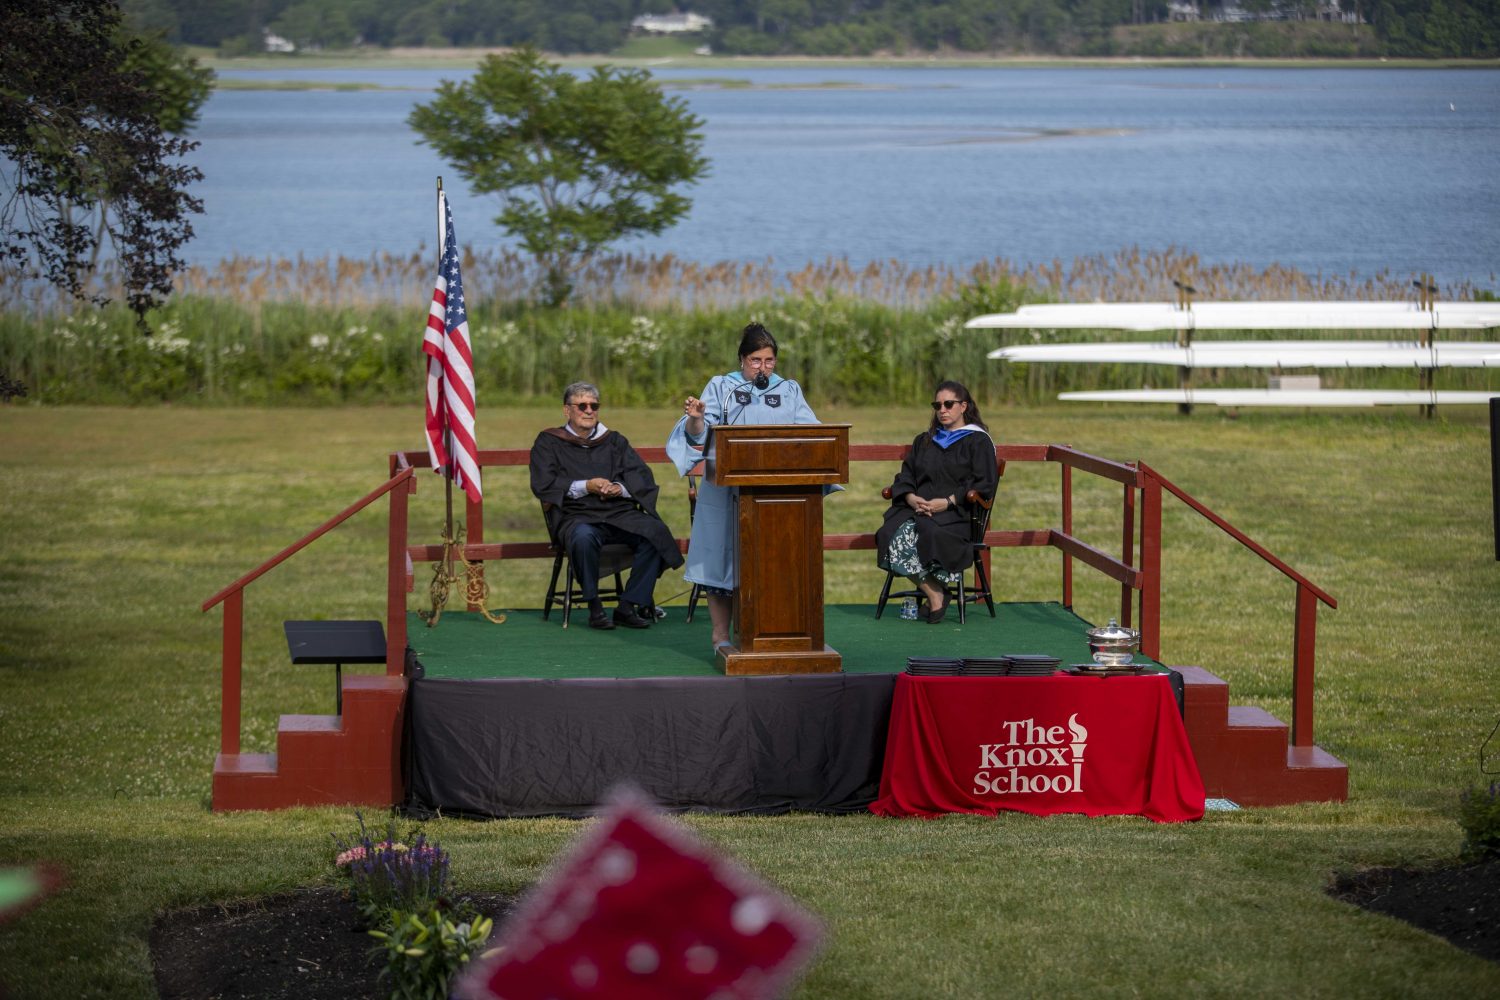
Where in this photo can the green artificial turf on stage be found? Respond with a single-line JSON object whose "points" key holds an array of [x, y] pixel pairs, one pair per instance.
{"points": [[464, 645]]}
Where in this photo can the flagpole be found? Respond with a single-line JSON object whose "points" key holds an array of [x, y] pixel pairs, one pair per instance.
{"points": [[447, 424], [446, 344]]}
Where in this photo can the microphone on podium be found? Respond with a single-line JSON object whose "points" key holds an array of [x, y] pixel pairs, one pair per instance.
{"points": [[760, 381]]}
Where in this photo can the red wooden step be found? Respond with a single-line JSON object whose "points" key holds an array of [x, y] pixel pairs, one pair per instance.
{"points": [[1205, 699], [1254, 733], [1242, 750], [354, 759], [1317, 775], [245, 781]]}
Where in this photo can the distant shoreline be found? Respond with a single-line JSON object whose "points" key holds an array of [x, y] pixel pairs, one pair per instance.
{"points": [[415, 58]]}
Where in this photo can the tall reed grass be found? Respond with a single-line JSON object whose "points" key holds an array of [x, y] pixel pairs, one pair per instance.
{"points": [[667, 282], [646, 329]]}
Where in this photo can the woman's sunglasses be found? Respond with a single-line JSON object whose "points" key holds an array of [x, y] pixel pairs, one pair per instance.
{"points": [[945, 404], [587, 407]]}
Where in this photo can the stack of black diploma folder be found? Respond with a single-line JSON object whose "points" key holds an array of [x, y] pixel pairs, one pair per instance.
{"points": [[1032, 665], [1009, 665], [934, 666], [986, 666]]}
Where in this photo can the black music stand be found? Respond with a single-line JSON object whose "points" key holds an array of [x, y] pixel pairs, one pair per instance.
{"points": [[336, 642]]}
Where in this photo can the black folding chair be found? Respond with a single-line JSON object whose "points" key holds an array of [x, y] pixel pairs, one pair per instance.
{"points": [[613, 561], [979, 523]]}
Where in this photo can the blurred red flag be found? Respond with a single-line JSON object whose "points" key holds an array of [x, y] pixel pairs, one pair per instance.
{"points": [[641, 909]]}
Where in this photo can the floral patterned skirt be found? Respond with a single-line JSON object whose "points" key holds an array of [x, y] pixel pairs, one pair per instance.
{"points": [[902, 557]]}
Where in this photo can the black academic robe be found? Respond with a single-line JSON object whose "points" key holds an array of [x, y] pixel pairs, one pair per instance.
{"points": [[931, 472], [559, 458]]}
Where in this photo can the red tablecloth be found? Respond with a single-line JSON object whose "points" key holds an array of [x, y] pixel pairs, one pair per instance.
{"points": [[1042, 745]]}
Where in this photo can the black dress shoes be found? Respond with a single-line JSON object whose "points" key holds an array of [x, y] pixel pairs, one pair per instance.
{"points": [[600, 619], [626, 616]]}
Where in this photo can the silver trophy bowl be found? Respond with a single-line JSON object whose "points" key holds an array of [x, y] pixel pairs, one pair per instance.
{"points": [[1113, 645]]}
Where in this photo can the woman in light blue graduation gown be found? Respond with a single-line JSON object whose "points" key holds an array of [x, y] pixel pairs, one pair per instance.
{"points": [[753, 394]]}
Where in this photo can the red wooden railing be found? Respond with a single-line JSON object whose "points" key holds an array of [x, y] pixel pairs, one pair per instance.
{"points": [[1305, 619], [1138, 570], [1141, 504], [233, 599]]}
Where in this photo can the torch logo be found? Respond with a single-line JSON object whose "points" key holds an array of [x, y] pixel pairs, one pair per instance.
{"points": [[1080, 737]]}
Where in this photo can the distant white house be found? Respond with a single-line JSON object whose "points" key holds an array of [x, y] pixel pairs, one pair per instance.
{"points": [[1332, 10], [1230, 12], [672, 24], [275, 43]]}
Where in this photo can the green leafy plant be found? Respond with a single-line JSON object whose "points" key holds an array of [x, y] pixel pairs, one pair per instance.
{"points": [[1479, 816], [424, 950]]}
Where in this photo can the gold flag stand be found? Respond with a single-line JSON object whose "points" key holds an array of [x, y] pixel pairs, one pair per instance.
{"points": [[476, 588]]}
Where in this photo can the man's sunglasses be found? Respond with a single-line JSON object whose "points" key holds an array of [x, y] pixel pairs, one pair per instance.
{"points": [[586, 407], [945, 404]]}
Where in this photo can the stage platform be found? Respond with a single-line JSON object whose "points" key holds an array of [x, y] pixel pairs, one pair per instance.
{"points": [[465, 646], [526, 719]]}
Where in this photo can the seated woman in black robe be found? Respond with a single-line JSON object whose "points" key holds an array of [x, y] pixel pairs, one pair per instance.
{"points": [[926, 531]]}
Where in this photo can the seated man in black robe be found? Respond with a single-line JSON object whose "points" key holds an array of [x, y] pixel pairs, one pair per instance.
{"points": [[597, 491]]}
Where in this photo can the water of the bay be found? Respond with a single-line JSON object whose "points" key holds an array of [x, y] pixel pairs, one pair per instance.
{"points": [[1331, 171]]}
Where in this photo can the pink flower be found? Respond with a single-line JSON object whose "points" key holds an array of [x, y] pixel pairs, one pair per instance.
{"points": [[348, 857]]}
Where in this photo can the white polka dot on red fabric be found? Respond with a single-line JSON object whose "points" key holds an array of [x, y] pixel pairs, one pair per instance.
{"points": [[700, 959], [750, 915], [585, 974], [642, 959], [617, 866]]}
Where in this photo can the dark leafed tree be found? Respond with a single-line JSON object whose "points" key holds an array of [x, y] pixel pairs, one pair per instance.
{"points": [[578, 162], [86, 163]]}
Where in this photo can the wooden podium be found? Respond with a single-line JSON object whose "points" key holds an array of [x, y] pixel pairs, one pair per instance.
{"points": [[780, 470]]}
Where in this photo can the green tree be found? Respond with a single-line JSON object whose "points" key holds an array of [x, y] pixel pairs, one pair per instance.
{"points": [[578, 163], [81, 129], [315, 24], [153, 17], [179, 85], [1404, 27]]}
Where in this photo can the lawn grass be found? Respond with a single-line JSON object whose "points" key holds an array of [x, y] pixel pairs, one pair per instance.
{"points": [[120, 522]]}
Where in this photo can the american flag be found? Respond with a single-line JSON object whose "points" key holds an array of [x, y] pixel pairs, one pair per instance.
{"points": [[450, 371]]}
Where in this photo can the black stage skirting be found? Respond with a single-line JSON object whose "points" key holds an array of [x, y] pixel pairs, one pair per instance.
{"points": [[524, 747], [510, 747]]}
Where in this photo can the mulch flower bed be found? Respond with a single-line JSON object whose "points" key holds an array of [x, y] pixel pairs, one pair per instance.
{"points": [[1461, 904], [307, 945]]}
